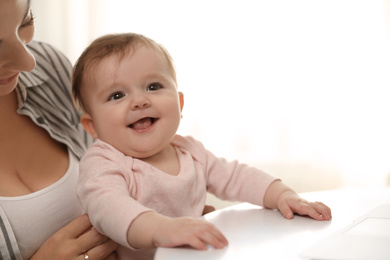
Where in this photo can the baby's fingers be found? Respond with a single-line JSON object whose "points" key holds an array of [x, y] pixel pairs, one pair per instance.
{"points": [[192, 232], [306, 208], [286, 211], [323, 210], [314, 210], [207, 235], [215, 238]]}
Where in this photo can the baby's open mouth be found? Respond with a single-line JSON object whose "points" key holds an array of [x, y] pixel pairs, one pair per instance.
{"points": [[143, 123]]}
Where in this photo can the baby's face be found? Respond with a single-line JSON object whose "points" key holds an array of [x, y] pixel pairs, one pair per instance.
{"points": [[134, 104]]}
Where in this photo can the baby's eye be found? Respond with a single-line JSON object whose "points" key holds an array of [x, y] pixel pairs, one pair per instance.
{"points": [[153, 87], [116, 96]]}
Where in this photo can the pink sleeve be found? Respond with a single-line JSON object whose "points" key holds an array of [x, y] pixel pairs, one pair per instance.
{"points": [[103, 190], [232, 180]]}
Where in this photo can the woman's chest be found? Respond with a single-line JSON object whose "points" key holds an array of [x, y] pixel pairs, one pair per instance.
{"points": [[38, 215], [30, 159]]}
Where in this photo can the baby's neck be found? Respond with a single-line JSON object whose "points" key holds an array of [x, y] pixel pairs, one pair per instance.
{"points": [[166, 161]]}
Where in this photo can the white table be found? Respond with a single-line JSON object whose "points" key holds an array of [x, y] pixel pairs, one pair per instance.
{"points": [[257, 233]]}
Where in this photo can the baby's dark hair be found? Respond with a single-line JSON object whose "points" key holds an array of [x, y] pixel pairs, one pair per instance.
{"points": [[104, 47]]}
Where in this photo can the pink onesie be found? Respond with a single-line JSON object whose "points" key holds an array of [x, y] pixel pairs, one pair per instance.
{"points": [[114, 189]]}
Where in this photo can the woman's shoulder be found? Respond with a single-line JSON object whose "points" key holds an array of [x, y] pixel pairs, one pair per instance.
{"points": [[46, 52], [45, 95], [52, 67], [49, 57]]}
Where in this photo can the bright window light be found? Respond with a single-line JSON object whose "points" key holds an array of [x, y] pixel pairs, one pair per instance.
{"points": [[299, 88]]}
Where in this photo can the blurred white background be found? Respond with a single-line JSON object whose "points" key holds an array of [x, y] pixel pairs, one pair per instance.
{"points": [[299, 88]]}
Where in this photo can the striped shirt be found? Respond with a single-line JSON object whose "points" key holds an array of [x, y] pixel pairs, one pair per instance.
{"points": [[44, 95]]}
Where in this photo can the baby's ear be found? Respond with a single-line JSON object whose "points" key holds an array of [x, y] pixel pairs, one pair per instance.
{"points": [[87, 122], [181, 98]]}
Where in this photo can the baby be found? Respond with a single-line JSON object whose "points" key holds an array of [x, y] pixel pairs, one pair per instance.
{"points": [[143, 185]]}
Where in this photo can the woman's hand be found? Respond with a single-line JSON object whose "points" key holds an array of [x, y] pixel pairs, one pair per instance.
{"points": [[75, 239]]}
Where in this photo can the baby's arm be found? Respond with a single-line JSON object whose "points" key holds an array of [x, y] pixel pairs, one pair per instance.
{"points": [[151, 229], [281, 197]]}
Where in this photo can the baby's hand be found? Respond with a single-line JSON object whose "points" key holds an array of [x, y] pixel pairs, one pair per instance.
{"points": [[289, 203], [187, 231]]}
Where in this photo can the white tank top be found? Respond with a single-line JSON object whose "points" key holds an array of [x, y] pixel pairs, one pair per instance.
{"points": [[35, 217]]}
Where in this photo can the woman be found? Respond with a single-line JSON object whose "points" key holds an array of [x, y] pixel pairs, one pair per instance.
{"points": [[41, 145]]}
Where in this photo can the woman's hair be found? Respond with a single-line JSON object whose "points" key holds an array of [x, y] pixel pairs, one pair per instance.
{"points": [[104, 47]]}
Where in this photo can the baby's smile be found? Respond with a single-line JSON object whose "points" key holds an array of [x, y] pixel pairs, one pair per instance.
{"points": [[143, 123]]}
